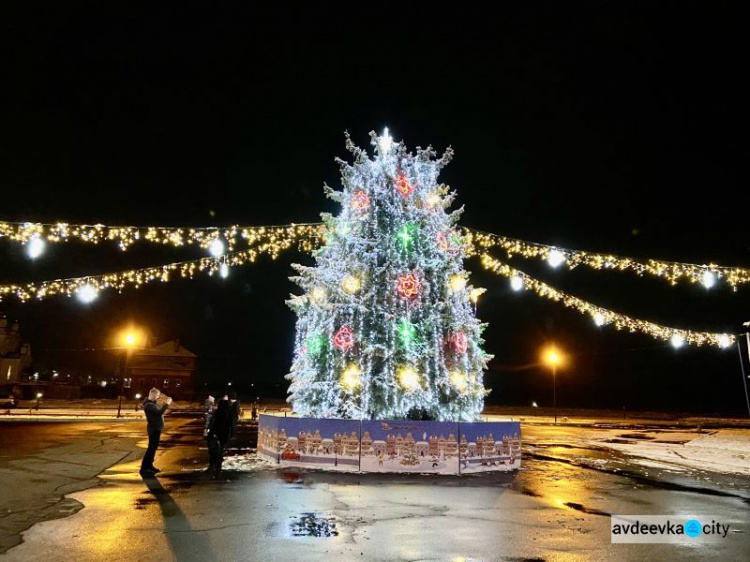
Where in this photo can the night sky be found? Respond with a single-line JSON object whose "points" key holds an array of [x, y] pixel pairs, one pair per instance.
{"points": [[612, 127]]}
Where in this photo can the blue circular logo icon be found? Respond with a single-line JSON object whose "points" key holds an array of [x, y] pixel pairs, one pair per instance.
{"points": [[693, 528]]}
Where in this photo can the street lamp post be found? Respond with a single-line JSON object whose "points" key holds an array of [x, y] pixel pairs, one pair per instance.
{"points": [[742, 365], [553, 358], [129, 341]]}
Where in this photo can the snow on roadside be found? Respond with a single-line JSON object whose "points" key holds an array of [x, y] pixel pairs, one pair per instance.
{"points": [[725, 451]]}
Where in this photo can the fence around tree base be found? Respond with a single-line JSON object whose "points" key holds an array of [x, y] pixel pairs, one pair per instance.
{"points": [[390, 446]]}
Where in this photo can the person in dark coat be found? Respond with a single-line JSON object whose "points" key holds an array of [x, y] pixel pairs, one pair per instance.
{"points": [[154, 427], [218, 435], [210, 402], [234, 413]]}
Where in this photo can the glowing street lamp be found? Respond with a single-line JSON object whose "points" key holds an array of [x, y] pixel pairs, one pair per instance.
{"points": [[553, 358], [129, 339]]}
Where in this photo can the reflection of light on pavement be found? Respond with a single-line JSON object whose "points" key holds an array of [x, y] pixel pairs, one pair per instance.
{"points": [[111, 534]]}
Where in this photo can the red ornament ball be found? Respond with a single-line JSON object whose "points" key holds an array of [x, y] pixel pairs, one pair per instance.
{"points": [[360, 201], [459, 342], [343, 339], [442, 241], [404, 186], [408, 286]]}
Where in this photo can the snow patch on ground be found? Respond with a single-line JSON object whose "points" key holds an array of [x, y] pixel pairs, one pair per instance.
{"points": [[249, 462], [725, 451]]}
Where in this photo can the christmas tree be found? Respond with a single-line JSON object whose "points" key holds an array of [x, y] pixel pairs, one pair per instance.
{"points": [[386, 326]]}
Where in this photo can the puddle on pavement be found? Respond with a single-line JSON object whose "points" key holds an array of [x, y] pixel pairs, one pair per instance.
{"points": [[313, 525], [584, 509]]}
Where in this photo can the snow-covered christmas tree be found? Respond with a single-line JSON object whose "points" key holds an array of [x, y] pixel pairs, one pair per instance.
{"points": [[386, 327]]}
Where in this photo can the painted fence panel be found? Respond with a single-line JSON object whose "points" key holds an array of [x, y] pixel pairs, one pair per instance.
{"points": [[390, 446], [409, 446], [490, 446], [329, 444]]}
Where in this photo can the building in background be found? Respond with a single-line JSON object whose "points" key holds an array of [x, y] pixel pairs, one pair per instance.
{"points": [[15, 356], [167, 366]]}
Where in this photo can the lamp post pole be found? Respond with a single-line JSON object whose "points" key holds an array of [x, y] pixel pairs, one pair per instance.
{"points": [[129, 340], [123, 372], [554, 388], [742, 367]]}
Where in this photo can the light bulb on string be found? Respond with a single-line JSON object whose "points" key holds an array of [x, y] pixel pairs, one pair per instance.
{"points": [[216, 248], [555, 258], [457, 283], [516, 282], [224, 270], [724, 341], [408, 378], [36, 247], [350, 378], [458, 379], [677, 341], [474, 294], [87, 293], [599, 319], [708, 279], [351, 284]]}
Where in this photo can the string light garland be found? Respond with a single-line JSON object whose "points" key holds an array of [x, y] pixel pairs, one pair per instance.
{"points": [[602, 316], [707, 275], [35, 235], [87, 288]]}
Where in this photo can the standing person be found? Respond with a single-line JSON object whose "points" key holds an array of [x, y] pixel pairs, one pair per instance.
{"points": [[234, 413], [218, 435], [209, 413], [154, 426]]}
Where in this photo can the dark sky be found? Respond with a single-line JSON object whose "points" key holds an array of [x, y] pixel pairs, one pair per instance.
{"points": [[616, 127]]}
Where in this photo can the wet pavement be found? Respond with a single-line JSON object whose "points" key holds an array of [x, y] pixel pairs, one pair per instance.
{"points": [[556, 508]]}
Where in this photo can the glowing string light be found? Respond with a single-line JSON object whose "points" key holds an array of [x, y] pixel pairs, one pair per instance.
{"points": [[708, 279], [36, 247], [406, 236], [669, 270], [87, 293], [351, 284], [556, 258], [351, 378], [617, 320], [407, 332], [516, 283], [408, 378], [457, 283], [458, 380], [216, 248]]}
